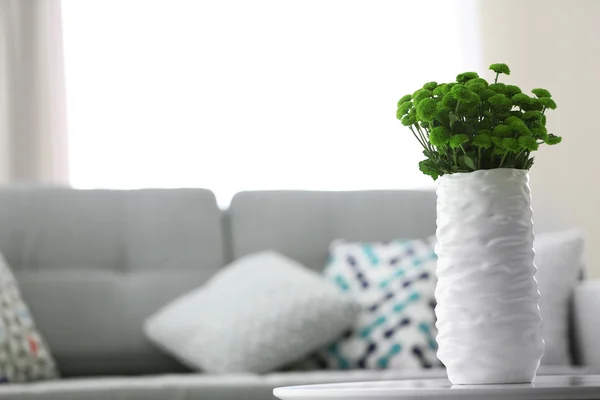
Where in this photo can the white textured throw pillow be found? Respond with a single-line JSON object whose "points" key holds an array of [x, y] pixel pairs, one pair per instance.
{"points": [[559, 259], [261, 312]]}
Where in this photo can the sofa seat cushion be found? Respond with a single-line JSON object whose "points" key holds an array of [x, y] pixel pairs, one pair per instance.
{"points": [[213, 387]]}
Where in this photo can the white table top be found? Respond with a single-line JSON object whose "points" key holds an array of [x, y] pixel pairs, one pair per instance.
{"points": [[543, 388]]}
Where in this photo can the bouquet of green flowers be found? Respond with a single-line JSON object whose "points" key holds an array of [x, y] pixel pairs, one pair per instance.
{"points": [[471, 124]]}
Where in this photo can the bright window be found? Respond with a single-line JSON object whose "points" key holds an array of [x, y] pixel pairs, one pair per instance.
{"points": [[238, 95]]}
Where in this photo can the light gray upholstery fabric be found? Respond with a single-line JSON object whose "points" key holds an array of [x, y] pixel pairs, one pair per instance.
{"points": [[302, 224], [211, 387], [93, 264]]}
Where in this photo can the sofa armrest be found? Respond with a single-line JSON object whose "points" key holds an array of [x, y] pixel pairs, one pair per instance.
{"points": [[586, 319]]}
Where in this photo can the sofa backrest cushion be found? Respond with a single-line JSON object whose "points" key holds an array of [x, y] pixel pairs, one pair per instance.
{"points": [[302, 224], [93, 264]]}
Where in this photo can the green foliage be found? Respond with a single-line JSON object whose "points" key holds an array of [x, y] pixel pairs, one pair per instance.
{"points": [[539, 92], [469, 124]]}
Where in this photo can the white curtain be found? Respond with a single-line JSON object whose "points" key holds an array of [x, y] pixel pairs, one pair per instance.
{"points": [[33, 136], [265, 94]]}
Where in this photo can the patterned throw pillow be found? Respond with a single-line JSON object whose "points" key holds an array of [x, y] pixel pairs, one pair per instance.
{"points": [[394, 282], [24, 355]]}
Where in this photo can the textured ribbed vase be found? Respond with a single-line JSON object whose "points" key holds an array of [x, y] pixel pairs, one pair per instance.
{"points": [[488, 319]]}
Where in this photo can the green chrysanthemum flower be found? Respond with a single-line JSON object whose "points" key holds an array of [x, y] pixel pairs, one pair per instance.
{"points": [[439, 136], [500, 69], [404, 108], [477, 87], [520, 127], [404, 99], [539, 92], [409, 119], [511, 145], [528, 143], [511, 119], [457, 140], [500, 102], [522, 100], [461, 92], [441, 90], [478, 80], [496, 141], [511, 90], [421, 94], [482, 140], [502, 131], [486, 94], [449, 101], [430, 85], [466, 76], [532, 116], [552, 139], [534, 106], [548, 102], [426, 109], [498, 88]]}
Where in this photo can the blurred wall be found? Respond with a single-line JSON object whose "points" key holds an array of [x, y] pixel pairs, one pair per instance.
{"points": [[555, 44]]}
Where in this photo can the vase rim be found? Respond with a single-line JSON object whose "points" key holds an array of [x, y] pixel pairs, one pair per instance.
{"points": [[493, 171]]}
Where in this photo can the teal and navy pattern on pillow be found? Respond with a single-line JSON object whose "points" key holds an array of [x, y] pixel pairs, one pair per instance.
{"points": [[394, 282]]}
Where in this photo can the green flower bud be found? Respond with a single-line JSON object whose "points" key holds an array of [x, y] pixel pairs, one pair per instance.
{"points": [[553, 139], [521, 100], [476, 87], [511, 90], [426, 109], [478, 80], [532, 116], [486, 94], [465, 76], [528, 143], [409, 119], [502, 130], [457, 140], [441, 90], [461, 92], [421, 94], [547, 102], [498, 88], [443, 114], [511, 145], [500, 69], [439, 136], [404, 108], [449, 101], [430, 85], [404, 99], [482, 141], [500, 102], [539, 92]]}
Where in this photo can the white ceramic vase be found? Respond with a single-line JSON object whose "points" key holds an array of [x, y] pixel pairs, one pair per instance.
{"points": [[488, 319]]}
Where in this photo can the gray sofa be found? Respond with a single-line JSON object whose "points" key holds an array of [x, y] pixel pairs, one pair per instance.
{"points": [[94, 264]]}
